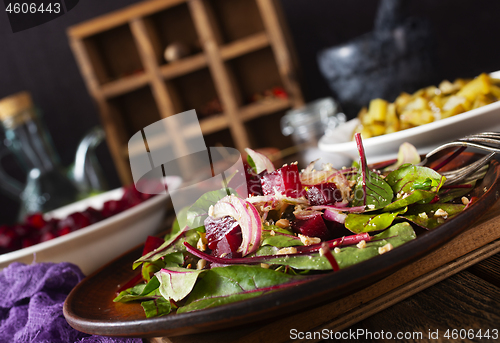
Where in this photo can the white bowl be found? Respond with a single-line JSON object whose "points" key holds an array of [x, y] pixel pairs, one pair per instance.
{"points": [[97, 244], [424, 137]]}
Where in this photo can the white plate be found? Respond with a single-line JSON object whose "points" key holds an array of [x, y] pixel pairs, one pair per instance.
{"points": [[97, 244], [424, 137]]}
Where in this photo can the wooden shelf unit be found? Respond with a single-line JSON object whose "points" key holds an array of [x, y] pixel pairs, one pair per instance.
{"points": [[239, 48]]}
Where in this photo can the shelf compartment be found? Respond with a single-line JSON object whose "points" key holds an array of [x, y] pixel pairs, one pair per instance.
{"points": [[264, 107], [183, 66], [120, 17], [255, 73], [244, 46], [193, 91], [113, 54], [124, 85], [173, 25], [236, 19], [137, 109], [221, 138]]}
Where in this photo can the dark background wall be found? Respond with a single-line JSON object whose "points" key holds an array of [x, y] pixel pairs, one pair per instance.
{"points": [[39, 59]]}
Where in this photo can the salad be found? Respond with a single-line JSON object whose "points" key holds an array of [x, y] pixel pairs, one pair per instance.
{"points": [[294, 227]]}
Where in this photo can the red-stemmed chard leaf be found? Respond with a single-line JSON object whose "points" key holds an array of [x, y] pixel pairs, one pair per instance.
{"points": [[236, 283], [177, 283], [371, 190], [325, 251], [334, 243]]}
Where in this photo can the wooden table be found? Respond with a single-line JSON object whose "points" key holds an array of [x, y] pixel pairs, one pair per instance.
{"points": [[455, 287]]}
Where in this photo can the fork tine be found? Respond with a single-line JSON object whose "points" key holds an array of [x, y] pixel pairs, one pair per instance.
{"points": [[441, 151], [485, 141], [460, 174], [488, 134], [493, 140], [476, 143]]}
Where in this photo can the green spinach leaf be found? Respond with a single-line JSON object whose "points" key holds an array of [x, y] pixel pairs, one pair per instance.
{"points": [[423, 215]]}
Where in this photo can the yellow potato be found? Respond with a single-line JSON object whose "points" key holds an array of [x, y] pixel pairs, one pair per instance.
{"points": [[401, 101], [417, 117], [427, 105], [391, 120], [377, 110], [480, 85]]}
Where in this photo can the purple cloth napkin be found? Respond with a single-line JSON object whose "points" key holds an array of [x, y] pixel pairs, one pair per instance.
{"points": [[31, 303]]}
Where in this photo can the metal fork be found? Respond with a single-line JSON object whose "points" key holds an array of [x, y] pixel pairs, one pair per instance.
{"points": [[486, 141]]}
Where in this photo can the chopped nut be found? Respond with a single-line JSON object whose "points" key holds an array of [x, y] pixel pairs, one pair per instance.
{"points": [[371, 206], [201, 264], [272, 233], [283, 223], [485, 189], [200, 245], [385, 248], [361, 244], [189, 266], [289, 250], [264, 265], [441, 213], [336, 250], [423, 215], [465, 201], [306, 240]]}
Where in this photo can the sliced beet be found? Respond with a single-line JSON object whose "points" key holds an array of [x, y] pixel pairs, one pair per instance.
{"points": [[337, 229], [253, 184], [93, 215], [75, 221], [312, 227], [227, 247], [36, 220], [8, 239], [216, 229], [285, 180], [111, 207], [323, 194]]}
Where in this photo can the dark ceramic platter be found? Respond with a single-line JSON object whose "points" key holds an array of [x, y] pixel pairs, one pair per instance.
{"points": [[90, 308]]}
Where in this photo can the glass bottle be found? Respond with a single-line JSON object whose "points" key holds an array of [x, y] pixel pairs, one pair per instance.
{"points": [[47, 186]]}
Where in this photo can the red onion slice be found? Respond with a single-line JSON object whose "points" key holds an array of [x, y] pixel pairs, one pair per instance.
{"points": [[247, 217], [334, 216], [261, 161], [306, 214], [355, 209]]}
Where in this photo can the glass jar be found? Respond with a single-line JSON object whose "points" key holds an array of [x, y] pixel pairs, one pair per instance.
{"points": [[306, 125]]}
